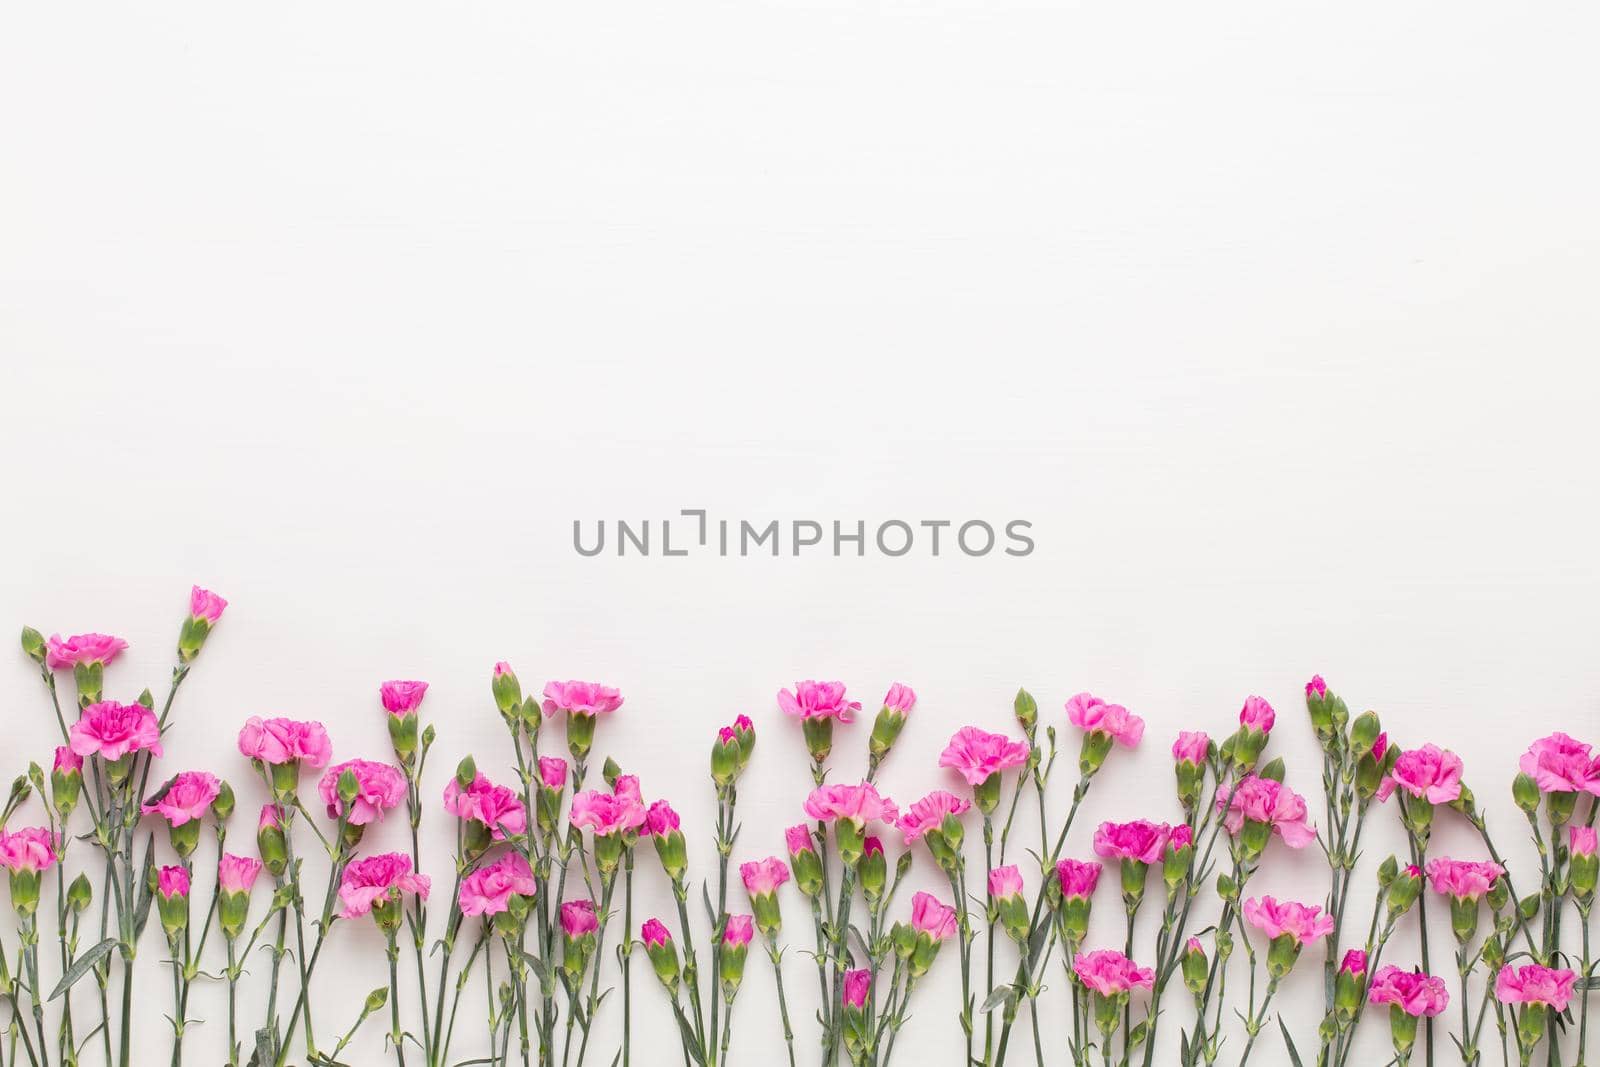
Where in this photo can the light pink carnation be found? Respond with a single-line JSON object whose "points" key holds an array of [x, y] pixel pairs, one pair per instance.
{"points": [[798, 839], [67, 761], [237, 874], [402, 698], [1005, 882], [578, 918], [580, 698], [1429, 772], [1088, 712], [1266, 801], [860, 804], [1463, 879], [930, 917], [1413, 992], [81, 648], [186, 798], [762, 877], [379, 787], [488, 890], [1582, 840], [1303, 922], [1257, 714], [553, 772], [1140, 840], [1562, 764], [1109, 972], [204, 604], [382, 877], [1191, 746], [113, 730], [279, 741], [817, 700], [900, 698], [1533, 983], [31, 849], [927, 813], [976, 754], [738, 930], [608, 813], [172, 882], [495, 806]]}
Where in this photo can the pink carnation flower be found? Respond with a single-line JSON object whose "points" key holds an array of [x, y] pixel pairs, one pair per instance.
{"points": [[186, 797], [495, 806], [402, 698], [929, 812], [1110, 973], [1355, 961], [1534, 983], [1077, 878], [488, 890], [1463, 879], [1429, 772], [1303, 922], [578, 918], [65, 654], [976, 754], [1561, 764], [67, 761], [817, 700], [798, 839], [580, 698], [857, 984], [1088, 712], [654, 933], [1316, 687], [860, 804], [762, 877], [172, 882], [376, 878], [204, 604], [900, 698], [1263, 800], [379, 787], [1413, 992], [1582, 840], [113, 730], [1257, 714], [237, 874], [32, 849], [608, 813], [278, 741], [738, 930], [1005, 882], [930, 917], [1191, 746], [1139, 840], [660, 819], [553, 772]]}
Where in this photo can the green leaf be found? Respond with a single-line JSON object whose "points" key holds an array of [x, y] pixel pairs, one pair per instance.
{"points": [[83, 965], [1294, 1053], [998, 997]]}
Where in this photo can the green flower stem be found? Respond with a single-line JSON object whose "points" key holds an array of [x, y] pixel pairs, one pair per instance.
{"points": [[395, 1033], [609, 884], [776, 956], [627, 956]]}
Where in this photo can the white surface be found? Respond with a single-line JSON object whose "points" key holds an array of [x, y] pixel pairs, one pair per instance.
{"points": [[1278, 325]]}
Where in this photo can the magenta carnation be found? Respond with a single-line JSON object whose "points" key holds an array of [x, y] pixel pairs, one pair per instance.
{"points": [[1089, 713], [976, 754], [112, 730], [186, 797], [817, 700], [379, 787], [580, 698], [376, 878]]}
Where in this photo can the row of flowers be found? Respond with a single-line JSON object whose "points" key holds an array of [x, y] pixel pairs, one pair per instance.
{"points": [[545, 867]]}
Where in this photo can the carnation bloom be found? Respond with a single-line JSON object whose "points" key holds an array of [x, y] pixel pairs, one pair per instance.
{"points": [[578, 918], [857, 984], [930, 917], [553, 772], [579, 698], [818, 700], [762, 877], [402, 698], [1316, 687], [1561, 764], [1110, 973], [488, 890], [67, 760], [1263, 800], [858, 803], [1139, 840], [1582, 840], [1463, 879], [619, 811], [1355, 960], [1191, 746], [738, 930], [1088, 712], [495, 806], [977, 754], [172, 882], [379, 787], [278, 741], [1429, 772], [113, 730], [1077, 878], [659, 818], [798, 839], [1533, 983], [654, 933], [32, 849], [237, 874], [186, 797], [369, 881], [204, 604], [1005, 882], [1257, 714], [900, 698], [1303, 922], [1412, 992], [81, 648], [929, 812]]}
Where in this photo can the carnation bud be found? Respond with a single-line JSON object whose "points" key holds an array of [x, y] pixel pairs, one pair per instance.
{"points": [[1195, 967], [222, 808], [1403, 892], [33, 645], [1525, 791], [1350, 985], [1027, 711], [507, 690], [725, 757], [466, 772], [79, 894], [270, 843], [1364, 732], [873, 870]]}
